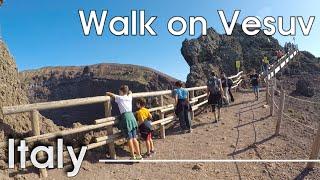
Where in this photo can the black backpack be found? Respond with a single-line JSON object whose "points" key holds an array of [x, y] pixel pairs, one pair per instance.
{"points": [[214, 85], [229, 83]]}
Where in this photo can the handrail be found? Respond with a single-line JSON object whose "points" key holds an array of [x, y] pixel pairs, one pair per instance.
{"points": [[7, 110], [53, 104], [276, 67], [237, 75]]}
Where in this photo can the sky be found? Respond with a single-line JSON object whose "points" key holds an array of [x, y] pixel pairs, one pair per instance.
{"points": [[43, 33]]}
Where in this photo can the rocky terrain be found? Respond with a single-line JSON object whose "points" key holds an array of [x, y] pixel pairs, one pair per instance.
{"points": [[11, 93], [218, 51], [58, 83], [246, 132]]}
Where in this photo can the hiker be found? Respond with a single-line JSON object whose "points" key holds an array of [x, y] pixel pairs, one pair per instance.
{"points": [[224, 83], [182, 107], [215, 93], [265, 65], [128, 123], [144, 118], [254, 79]]}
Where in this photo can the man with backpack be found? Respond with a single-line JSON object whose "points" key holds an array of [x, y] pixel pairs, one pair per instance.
{"points": [[215, 93]]}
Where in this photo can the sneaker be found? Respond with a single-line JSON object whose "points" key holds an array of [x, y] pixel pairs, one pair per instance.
{"points": [[152, 152], [190, 131], [139, 157], [147, 155], [133, 158]]}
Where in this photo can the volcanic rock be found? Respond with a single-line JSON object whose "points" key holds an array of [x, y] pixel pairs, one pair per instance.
{"points": [[219, 52]]}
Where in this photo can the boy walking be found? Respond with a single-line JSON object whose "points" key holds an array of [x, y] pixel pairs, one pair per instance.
{"points": [[254, 79]]}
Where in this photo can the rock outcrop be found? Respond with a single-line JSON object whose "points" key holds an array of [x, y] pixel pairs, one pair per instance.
{"points": [[58, 83], [219, 52], [11, 94]]}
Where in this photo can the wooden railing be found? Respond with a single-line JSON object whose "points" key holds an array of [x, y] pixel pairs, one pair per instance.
{"points": [[280, 64], [165, 110], [278, 110]]}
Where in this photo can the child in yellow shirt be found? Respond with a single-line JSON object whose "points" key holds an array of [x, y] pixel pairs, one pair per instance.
{"points": [[145, 128]]}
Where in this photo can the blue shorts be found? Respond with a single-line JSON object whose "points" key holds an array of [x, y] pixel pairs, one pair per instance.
{"points": [[132, 134], [255, 88]]}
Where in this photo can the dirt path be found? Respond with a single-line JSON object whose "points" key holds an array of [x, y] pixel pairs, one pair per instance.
{"points": [[246, 132]]}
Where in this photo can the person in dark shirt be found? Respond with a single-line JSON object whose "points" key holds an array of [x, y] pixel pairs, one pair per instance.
{"points": [[224, 83], [254, 79], [215, 94]]}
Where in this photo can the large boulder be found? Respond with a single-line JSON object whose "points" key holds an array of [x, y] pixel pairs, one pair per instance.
{"points": [[219, 51], [304, 88]]}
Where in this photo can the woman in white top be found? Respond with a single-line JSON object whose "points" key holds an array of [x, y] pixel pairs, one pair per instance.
{"points": [[128, 123]]}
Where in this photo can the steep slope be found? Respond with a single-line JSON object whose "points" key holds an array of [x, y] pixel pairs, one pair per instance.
{"points": [[11, 93], [57, 83], [218, 51]]}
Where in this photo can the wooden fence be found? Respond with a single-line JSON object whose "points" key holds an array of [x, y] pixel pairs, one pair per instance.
{"points": [[278, 111], [109, 121]]}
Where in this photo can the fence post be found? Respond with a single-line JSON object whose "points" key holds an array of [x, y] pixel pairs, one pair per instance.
{"points": [[111, 147], [315, 149], [162, 127], [267, 92], [275, 83], [280, 113], [272, 100], [191, 96], [36, 132]]}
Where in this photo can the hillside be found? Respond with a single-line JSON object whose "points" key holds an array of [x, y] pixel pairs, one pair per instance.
{"points": [[11, 93], [219, 51], [58, 83]]}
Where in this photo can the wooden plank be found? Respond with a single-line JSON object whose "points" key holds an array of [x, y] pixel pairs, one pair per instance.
{"points": [[166, 110], [53, 105], [237, 75], [108, 137], [150, 94], [200, 104], [197, 88], [199, 97], [162, 120]]}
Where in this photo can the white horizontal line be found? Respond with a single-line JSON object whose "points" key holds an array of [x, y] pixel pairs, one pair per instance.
{"points": [[210, 161]]}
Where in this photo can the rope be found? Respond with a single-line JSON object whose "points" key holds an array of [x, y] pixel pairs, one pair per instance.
{"points": [[279, 92], [297, 121], [298, 99]]}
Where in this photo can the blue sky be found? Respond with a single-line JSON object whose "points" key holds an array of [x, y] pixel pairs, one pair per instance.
{"points": [[48, 33]]}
